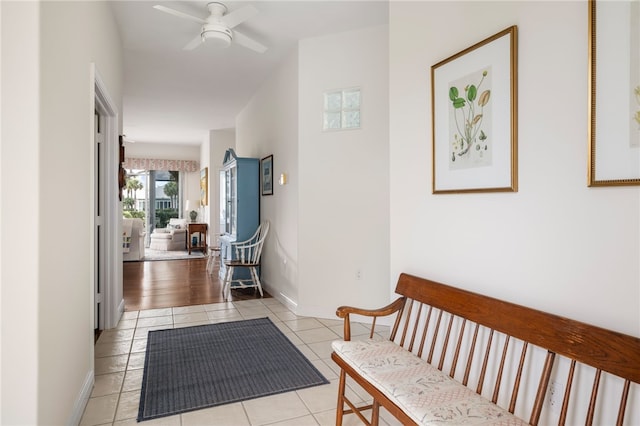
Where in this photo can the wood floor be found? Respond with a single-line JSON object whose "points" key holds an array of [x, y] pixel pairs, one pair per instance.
{"points": [[172, 283]]}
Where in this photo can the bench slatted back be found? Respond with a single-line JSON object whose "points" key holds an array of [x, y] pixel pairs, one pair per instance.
{"points": [[427, 326]]}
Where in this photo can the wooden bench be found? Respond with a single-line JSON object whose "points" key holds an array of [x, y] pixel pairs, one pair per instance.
{"points": [[457, 357]]}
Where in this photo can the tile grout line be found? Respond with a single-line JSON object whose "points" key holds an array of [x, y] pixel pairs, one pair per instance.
{"points": [[115, 412]]}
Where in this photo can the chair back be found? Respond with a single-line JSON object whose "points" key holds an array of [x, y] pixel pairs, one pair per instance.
{"points": [[249, 251]]}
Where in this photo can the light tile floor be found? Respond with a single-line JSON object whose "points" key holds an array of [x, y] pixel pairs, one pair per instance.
{"points": [[119, 362]]}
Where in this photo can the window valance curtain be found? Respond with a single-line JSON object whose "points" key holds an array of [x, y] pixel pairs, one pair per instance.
{"points": [[157, 164]]}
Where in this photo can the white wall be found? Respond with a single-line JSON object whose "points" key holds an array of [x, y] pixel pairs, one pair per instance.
{"points": [[191, 192], [269, 125], [204, 211], [343, 212], [74, 34], [0, 215], [332, 217], [556, 244], [47, 295], [19, 277]]}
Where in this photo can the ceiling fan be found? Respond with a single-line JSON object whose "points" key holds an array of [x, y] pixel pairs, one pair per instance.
{"points": [[217, 28]]}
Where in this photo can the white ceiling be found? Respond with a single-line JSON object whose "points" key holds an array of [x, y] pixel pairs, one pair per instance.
{"points": [[177, 96]]}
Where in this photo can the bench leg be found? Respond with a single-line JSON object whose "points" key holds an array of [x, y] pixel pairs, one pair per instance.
{"points": [[340, 407], [342, 399], [375, 413]]}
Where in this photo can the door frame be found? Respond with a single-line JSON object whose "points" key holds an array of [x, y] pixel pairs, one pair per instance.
{"points": [[112, 294]]}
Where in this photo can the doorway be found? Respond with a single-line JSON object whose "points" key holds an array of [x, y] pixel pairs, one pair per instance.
{"points": [[107, 303], [98, 230], [155, 196]]}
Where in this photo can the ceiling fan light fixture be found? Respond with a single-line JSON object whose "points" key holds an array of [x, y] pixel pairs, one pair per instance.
{"points": [[216, 28], [216, 36]]}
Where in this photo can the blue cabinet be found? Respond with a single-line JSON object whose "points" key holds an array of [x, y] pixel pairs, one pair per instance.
{"points": [[239, 205]]}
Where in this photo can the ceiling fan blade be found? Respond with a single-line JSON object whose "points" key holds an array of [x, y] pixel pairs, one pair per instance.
{"points": [[239, 16], [197, 41], [247, 42], [179, 14]]}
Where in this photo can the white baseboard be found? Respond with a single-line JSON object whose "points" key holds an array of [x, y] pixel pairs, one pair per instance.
{"points": [[120, 309], [286, 301], [281, 297], [82, 400]]}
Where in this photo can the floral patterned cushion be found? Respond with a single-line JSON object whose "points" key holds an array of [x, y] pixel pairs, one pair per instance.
{"points": [[427, 395]]}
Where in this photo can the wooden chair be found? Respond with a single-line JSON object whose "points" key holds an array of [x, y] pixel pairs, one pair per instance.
{"points": [[213, 258], [247, 256]]}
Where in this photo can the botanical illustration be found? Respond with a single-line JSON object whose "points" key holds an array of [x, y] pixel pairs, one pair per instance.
{"points": [[470, 136]]}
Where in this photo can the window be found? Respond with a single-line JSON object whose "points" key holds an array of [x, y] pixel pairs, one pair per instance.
{"points": [[152, 195], [135, 193], [342, 109], [166, 196]]}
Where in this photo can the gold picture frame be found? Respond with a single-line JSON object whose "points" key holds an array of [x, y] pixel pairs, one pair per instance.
{"points": [[614, 94], [204, 186], [474, 101]]}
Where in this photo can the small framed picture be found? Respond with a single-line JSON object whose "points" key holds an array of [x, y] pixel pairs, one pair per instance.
{"points": [[204, 186], [266, 174]]}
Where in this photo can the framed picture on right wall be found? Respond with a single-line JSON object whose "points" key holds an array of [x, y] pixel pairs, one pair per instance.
{"points": [[266, 175], [614, 93], [474, 124]]}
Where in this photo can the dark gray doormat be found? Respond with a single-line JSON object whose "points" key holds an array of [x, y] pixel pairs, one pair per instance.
{"points": [[191, 368]]}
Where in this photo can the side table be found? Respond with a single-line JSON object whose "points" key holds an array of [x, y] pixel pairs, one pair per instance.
{"points": [[198, 242]]}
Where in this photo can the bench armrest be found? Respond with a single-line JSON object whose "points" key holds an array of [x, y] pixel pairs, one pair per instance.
{"points": [[345, 311]]}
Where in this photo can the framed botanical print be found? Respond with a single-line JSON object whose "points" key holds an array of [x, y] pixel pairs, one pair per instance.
{"points": [[614, 93], [474, 106]]}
